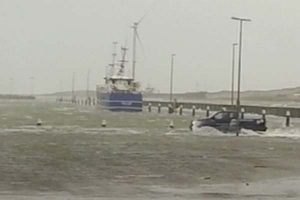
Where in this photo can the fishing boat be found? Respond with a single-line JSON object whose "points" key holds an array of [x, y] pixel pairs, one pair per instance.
{"points": [[120, 92]]}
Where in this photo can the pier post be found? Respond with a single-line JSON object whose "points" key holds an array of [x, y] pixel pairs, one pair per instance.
{"points": [[193, 110], [149, 107], [207, 111], [159, 108], [288, 118], [170, 109], [180, 109], [242, 113], [263, 112]]}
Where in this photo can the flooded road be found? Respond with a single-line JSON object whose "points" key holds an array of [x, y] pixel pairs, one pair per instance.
{"points": [[137, 156]]}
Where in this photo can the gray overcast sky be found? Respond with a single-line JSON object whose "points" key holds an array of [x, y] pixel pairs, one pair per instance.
{"points": [[50, 39]]}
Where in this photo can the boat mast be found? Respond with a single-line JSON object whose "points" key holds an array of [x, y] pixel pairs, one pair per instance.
{"points": [[135, 25], [110, 69], [122, 62], [114, 54]]}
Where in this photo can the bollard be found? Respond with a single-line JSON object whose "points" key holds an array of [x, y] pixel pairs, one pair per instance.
{"points": [[288, 118], [207, 111], [242, 113], [263, 112], [94, 101], [193, 110], [149, 107], [159, 108], [171, 124], [103, 124], [180, 109]]}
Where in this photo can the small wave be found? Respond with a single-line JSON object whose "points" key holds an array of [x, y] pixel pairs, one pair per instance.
{"points": [[208, 131], [178, 132], [248, 132], [20, 130], [63, 109], [72, 130], [283, 132], [68, 113], [111, 131]]}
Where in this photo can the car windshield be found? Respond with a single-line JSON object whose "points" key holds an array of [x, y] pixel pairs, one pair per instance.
{"points": [[219, 116]]}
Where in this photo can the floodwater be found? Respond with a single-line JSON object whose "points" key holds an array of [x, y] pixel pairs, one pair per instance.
{"points": [[137, 156]]}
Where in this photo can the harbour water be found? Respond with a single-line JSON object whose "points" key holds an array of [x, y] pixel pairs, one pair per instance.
{"points": [[137, 156]]}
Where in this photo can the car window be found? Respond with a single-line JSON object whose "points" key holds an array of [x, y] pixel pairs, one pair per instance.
{"points": [[219, 116]]}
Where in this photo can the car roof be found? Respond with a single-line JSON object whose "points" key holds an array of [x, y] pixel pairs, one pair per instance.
{"points": [[228, 111]]}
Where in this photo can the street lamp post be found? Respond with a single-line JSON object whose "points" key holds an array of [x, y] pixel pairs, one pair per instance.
{"points": [[238, 104], [11, 86], [73, 88], [232, 76], [32, 85], [171, 78], [88, 88]]}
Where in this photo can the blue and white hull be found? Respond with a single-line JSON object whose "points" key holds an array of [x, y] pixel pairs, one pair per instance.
{"points": [[118, 101]]}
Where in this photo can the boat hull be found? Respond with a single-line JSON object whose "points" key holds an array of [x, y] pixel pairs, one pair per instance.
{"points": [[114, 101]]}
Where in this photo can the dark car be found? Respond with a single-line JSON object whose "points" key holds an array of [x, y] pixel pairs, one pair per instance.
{"points": [[226, 121]]}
